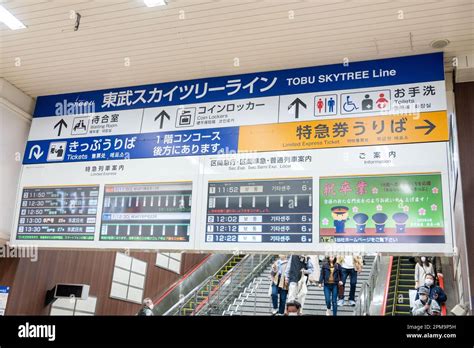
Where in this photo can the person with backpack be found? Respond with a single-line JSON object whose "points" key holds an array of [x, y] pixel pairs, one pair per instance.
{"points": [[435, 292], [147, 309]]}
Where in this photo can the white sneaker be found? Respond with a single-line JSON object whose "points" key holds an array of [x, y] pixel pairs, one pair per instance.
{"points": [[352, 303], [274, 312], [328, 312], [340, 303]]}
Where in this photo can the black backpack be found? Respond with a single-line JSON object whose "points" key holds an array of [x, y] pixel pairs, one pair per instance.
{"points": [[142, 312]]}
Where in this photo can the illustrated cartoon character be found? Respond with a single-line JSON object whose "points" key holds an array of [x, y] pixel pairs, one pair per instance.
{"points": [[340, 214], [380, 219], [400, 220], [360, 220]]}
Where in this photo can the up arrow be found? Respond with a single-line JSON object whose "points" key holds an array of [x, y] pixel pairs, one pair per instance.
{"points": [[297, 103], [161, 116], [430, 126], [60, 124]]}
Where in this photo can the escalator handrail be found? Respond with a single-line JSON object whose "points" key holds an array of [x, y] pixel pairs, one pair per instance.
{"points": [[233, 270], [395, 293], [387, 286], [440, 277], [222, 281], [180, 280], [192, 293]]}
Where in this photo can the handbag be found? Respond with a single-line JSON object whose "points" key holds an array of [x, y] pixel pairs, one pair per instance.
{"points": [[340, 291], [302, 288]]}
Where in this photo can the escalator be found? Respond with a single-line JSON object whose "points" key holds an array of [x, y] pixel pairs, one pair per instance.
{"points": [[202, 293], [401, 280]]}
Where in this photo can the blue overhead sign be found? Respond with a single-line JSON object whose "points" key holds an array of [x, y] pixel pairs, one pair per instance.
{"points": [[205, 116], [132, 146], [382, 72]]}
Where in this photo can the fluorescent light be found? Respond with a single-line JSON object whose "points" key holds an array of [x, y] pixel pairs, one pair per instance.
{"points": [[153, 3], [10, 20]]}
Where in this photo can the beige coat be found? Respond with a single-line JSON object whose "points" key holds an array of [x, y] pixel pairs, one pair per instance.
{"points": [[280, 284]]}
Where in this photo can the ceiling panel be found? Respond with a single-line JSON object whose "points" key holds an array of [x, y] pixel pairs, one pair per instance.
{"points": [[123, 43]]}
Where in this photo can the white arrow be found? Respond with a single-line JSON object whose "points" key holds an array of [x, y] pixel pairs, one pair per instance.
{"points": [[37, 152]]}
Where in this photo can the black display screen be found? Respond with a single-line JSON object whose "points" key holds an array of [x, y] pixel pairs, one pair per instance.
{"points": [[58, 213], [260, 211], [146, 212]]}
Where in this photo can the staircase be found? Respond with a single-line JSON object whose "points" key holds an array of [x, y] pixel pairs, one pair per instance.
{"points": [[402, 279], [254, 300]]}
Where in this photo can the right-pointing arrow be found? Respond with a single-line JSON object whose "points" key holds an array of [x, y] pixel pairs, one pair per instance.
{"points": [[430, 126]]}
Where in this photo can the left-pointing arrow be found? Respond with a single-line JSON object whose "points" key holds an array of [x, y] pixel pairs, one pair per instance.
{"points": [[36, 152], [60, 124]]}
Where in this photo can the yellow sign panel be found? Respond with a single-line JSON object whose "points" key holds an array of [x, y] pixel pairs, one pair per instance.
{"points": [[342, 132]]}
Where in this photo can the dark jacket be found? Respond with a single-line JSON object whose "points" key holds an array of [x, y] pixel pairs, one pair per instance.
{"points": [[295, 266], [145, 311], [325, 272], [434, 289]]}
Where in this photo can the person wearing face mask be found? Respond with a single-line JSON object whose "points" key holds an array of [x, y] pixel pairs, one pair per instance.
{"points": [[147, 309], [424, 305], [422, 268], [435, 292], [293, 308]]}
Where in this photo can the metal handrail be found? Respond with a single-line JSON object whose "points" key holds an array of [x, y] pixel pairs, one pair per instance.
{"points": [[367, 289], [233, 284], [249, 290], [394, 307], [177, 308], [180, 304]]}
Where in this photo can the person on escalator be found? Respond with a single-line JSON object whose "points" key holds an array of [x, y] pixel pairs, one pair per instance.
{"points": [[435, 292], [147, 309], [425, 305], [279, 286], [422, 268]]}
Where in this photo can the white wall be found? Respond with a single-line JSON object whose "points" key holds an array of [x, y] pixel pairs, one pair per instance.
{"points": [[15, 119]]}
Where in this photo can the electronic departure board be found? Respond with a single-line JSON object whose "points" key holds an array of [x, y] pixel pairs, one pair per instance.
{"points": [[146, 212], [58, 213], [260, 211]]}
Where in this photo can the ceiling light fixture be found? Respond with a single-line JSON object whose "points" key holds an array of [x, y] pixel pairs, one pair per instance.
{"points": [[10, 20], [154, 3]]}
